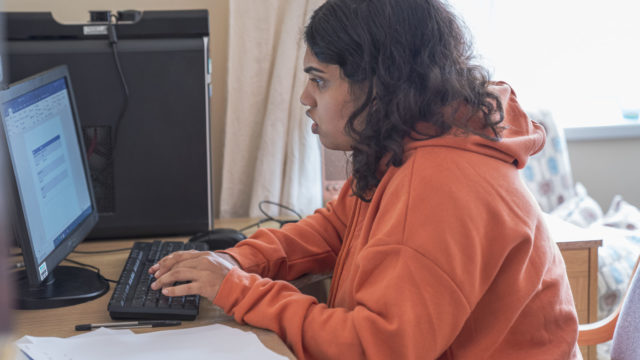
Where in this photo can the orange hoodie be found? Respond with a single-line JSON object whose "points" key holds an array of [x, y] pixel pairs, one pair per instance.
{"points": [[451, 259]]}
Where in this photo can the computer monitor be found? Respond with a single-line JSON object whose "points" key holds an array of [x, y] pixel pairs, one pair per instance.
{"points": [[55, 207]]}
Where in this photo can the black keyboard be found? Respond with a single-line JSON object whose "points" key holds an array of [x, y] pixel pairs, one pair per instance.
{"points": [[133, 298]]}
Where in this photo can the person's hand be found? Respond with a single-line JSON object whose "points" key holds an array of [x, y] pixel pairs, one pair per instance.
{"points": [[205, 270]]}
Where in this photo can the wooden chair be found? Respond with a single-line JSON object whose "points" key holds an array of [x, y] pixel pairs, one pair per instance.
{"points": [[623, 325]]}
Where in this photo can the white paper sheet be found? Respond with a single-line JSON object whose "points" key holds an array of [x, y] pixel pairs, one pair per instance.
{"points": [[207, 342]]}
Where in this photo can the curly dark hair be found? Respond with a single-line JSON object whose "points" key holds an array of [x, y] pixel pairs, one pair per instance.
{"points": [[410, 61]]}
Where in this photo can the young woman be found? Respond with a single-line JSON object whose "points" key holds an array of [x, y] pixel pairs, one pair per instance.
{"points": [[436, 247]]}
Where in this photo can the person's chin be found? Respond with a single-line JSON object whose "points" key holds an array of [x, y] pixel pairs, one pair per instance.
{"points": [[333, 146], [326, 144]]}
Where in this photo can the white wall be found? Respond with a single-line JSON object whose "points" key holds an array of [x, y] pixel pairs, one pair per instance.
{"points": [[607, 168]]}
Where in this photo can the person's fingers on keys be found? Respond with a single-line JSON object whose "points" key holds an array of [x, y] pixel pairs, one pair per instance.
{"points": [[167, 262], [166, 278], [204, 283], [172, 276], [181, 290], [162, 268], [198, 262], [212, 268], [171, 260]]}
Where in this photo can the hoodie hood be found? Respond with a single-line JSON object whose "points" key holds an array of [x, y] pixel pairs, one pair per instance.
{"points": [[520, 138]]}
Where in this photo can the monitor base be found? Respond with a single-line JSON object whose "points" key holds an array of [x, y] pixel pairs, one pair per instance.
{"points": [[67, 285]]}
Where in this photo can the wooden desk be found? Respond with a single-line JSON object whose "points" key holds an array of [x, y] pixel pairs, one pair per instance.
{"points": [[579, 249], [60, 322]]}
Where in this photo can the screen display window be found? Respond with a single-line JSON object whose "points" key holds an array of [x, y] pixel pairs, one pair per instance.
{"points": [[48, 164]]}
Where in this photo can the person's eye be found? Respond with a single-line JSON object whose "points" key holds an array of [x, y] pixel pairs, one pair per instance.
{"points": [[317, 81]]}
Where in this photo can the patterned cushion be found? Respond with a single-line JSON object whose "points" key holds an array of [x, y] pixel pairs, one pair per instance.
{"points": [[581, 210], [622, 215], [548, 173]]}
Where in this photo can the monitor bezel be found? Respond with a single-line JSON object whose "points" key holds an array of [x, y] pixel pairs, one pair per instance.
{"points": [[20, 230]]}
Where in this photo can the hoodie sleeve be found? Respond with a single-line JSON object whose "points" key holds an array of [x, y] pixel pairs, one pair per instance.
{"points": [[309, 246], [374, 328]]}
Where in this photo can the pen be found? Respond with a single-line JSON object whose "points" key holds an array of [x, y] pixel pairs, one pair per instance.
{"points": [[130, 324]]}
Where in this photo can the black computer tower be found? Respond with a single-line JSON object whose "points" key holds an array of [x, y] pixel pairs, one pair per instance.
{"points": [[153, 176]]}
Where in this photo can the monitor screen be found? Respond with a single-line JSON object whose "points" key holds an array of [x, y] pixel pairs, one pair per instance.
{"points": [[48, 165], [55, 207]]}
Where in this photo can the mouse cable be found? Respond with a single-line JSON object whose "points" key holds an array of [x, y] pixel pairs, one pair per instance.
{"points": [[113, 40], [276, 204], [257, 224], [271, 218], [90, 267]]}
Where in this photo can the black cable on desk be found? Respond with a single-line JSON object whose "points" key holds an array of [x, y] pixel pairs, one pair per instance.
{"points": [[269, 217], [276, 204], [90, 267], [258, 223]]}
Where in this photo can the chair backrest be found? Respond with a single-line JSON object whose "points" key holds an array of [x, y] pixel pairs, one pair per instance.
{"points": [[548, 173], [626, 337]]}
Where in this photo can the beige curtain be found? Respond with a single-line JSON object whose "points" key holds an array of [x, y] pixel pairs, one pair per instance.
{"points": [[269, 151]]}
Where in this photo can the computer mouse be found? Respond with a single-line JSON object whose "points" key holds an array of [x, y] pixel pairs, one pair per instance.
{"points": [[219, 239]]}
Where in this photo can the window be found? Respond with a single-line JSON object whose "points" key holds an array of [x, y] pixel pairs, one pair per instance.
{"points": [[579, 59]]}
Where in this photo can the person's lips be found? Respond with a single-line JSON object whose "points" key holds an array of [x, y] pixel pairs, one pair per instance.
{"points": [[314, 125]]}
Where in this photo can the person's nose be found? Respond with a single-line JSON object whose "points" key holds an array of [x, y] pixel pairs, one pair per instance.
{"points": [[306, 98]]}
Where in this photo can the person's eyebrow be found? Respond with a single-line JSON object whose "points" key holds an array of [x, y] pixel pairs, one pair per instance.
{"points": [[310, 69]]}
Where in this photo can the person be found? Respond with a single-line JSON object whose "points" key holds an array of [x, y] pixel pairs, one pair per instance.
{"points": [[437, 249]]}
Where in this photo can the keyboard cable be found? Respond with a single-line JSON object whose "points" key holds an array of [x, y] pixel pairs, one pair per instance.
{"points": [[97, 269]]}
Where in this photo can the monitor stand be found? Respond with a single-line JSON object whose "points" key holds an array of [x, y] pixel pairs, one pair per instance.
{"points": [[67, 285]]}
